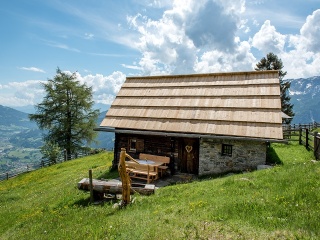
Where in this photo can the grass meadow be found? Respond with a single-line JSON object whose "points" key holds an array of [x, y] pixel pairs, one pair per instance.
{"points": [[277, 203]]}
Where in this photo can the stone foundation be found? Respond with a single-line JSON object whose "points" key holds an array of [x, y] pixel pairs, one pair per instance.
{"points": [[246, 155]]}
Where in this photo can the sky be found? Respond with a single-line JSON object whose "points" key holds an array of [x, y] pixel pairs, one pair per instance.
{"points": [[104, 41]]}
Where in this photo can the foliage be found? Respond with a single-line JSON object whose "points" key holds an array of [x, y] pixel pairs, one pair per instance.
{"points": [[66, 112], [277, 203], [51, 151], [272, 62]]}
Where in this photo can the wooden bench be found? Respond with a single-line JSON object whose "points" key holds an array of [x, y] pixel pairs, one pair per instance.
{"points": [[141, 171], [160, 159]]}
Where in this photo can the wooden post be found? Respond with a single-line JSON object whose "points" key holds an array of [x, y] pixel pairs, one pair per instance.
{"points": [[307, 138], [65, 155], [125, 179], [115, 151], [315, 145], [91, 186], [300, 136], [7, 176]]}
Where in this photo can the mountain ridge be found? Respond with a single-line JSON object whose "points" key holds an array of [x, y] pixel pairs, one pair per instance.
{"points": [[10, 116], [305, 96]]}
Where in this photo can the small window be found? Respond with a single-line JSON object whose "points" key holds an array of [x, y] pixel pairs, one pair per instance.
{"points": [[133, 145], [226, 150]]}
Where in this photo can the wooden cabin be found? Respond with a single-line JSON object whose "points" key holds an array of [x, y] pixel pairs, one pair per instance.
{"points": [[206, 123]]}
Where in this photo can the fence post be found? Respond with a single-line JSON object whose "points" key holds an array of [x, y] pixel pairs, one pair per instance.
{"points": [[90, 185], [7, 176], [65, 154], [300, 136], [307, 138], [315, 145]]}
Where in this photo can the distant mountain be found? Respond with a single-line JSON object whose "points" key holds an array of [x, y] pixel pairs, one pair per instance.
{"points": [[305, 95], [10, 116], [26, 109], [20, 139], [105, 139]]}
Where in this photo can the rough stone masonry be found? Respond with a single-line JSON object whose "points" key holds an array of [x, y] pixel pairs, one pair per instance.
{"points": [[246, 155]]}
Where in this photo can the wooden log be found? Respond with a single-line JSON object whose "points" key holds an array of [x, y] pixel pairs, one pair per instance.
{"points": [[114, 187]]}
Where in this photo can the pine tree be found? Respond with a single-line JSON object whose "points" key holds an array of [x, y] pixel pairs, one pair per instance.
{"points": [[66, 112], [272, 62]]}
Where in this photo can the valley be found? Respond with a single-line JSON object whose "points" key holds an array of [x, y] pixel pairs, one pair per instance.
{"points": [[21, 139], [19, 147]]}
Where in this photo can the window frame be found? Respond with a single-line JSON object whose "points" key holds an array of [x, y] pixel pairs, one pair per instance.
{"points": [[131, 148], [226, 150]]}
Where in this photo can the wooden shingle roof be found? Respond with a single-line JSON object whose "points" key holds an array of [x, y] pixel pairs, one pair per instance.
{"points": [[242, 104]]}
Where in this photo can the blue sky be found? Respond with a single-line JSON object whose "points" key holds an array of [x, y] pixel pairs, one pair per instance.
{"points": [[105, 41]]}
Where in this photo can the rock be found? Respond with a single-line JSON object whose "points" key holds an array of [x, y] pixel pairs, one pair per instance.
{"points": [[261, 167], [116, 206], [244, 179]]}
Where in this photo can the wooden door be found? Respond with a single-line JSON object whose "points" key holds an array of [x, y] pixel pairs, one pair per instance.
{"points": [[189, 152]]}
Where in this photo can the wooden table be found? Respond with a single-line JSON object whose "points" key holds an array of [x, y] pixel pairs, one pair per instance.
{"points": [[155, 164]]}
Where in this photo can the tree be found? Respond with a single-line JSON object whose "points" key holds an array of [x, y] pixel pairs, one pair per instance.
{"points": [[51, 151], [66, 112], [272, 62]]}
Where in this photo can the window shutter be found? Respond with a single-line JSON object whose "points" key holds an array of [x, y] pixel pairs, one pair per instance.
{"points": [[140, 145]]}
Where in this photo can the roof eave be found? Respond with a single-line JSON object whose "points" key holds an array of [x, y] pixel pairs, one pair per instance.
{"points": [[187, 135]]}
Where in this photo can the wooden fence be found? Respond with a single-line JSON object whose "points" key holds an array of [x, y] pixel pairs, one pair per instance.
{"points": [[44, 163], [305, 136]]}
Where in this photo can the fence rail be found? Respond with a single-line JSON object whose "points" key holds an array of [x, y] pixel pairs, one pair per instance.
{"points": [[44, 163], [311, 140]]}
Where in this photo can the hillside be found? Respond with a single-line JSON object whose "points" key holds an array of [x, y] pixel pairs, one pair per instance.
{"points": [[277, 203], [105, 139], [305, 95], [20, 140], [10, 116]]}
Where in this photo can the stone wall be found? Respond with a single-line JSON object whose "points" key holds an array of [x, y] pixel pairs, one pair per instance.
{"points": [[245, 155]]}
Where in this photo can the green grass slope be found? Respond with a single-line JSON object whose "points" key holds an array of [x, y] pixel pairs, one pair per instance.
{"points": [[278, 203]]}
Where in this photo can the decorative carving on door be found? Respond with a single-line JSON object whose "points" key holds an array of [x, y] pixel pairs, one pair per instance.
{"points": [[190, 159]]}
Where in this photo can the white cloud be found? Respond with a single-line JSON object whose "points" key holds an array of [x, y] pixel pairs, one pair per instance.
{"points": [[33, 69], [217, 61], [163, 44], [16, 94], [155, 3], [268, 39], [173, 43], [104, 87], [21, 93], [310, 32], [61, 46], [134, 67], [302, 59], [88, 36]]}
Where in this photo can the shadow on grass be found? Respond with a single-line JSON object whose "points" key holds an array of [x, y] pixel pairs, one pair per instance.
{"points": [[85, 202], [82, 202], [99, 197], [109, 174], [272, 157]]}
